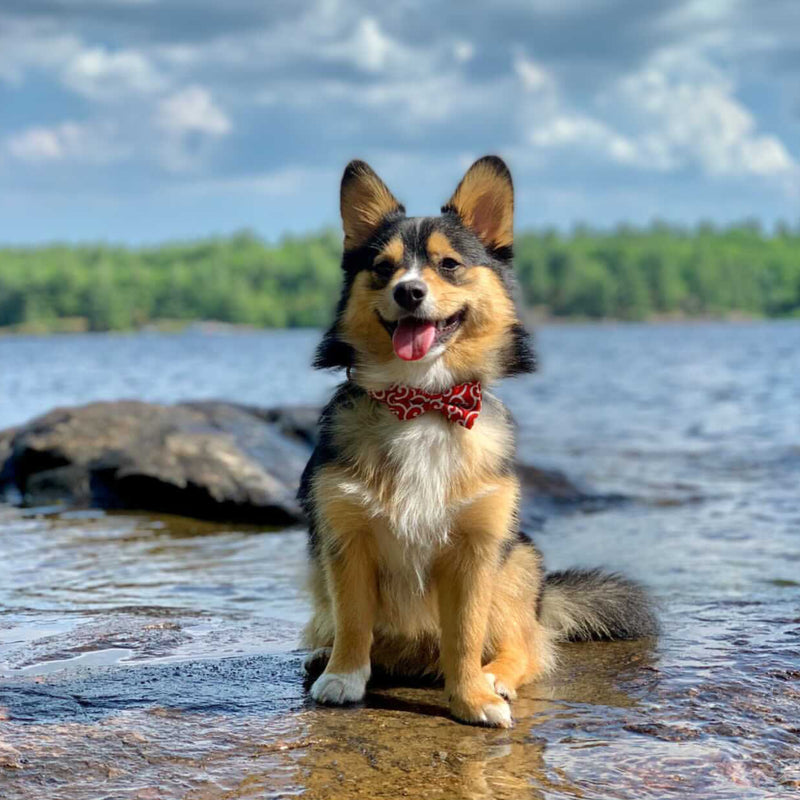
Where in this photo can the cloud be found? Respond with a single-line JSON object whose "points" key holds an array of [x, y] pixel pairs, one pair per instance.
{"points": [[577, 130], [191, 120], [678, 111], [192, 110], [95, 143], [370, 48], [29, 44], [534, 77], [555, 123], [689, 115], [103, 74], [463, 51]]}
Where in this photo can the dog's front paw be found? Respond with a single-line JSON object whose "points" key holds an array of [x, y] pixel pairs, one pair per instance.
{"points": [[338, 689], [482, 708]]}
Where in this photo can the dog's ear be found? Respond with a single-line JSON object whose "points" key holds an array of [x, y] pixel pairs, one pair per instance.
{"points": [[365, 202], [484, 200]]}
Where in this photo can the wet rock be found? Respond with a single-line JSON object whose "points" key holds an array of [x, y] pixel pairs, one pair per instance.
{"points": [[10, 758], [666, 733], [556, 489], [549, 483], [6, 438], [298, 422], [244, 684], [206, 459]]}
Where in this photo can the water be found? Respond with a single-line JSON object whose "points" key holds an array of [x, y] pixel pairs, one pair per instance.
{"points": [[147, 656]]}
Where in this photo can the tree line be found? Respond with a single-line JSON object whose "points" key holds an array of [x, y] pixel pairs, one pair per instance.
{"points": [[627, 273]]}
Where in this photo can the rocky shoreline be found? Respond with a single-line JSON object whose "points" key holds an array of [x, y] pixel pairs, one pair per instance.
{"points": [[204, 459]]}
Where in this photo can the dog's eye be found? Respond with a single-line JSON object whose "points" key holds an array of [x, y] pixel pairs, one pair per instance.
{"points": [[384, 266], [450, 264]]}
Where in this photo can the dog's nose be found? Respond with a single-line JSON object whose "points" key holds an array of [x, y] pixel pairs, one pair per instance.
{"points": [[410, 294]]}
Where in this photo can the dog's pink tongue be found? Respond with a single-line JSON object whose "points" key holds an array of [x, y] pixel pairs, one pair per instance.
{"points": [[413, 338]]}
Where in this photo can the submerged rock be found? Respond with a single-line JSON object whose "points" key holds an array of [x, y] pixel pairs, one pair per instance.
{"points": [[208, 459]]}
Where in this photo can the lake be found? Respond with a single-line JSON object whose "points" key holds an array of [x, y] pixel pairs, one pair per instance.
{"points": [[145, 656]]}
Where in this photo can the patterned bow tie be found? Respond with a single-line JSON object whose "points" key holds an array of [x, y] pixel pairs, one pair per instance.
{"points": [[460, 404]]}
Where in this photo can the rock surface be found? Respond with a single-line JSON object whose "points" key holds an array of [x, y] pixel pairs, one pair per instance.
{"points": [[204, 459], [210, 460]]}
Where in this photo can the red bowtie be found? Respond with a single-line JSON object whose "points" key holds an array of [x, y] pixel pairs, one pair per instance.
{"points": [[461, 403]]}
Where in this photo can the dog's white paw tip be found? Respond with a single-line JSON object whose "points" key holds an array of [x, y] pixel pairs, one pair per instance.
{"points": [[338, 689], [494, 712], [498, 715]]}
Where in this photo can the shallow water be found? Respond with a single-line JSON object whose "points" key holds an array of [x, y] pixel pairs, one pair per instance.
{"points": [[154, 657]]}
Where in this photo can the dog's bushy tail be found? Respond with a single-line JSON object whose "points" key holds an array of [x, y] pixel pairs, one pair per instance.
{"points": [[584, 605]]}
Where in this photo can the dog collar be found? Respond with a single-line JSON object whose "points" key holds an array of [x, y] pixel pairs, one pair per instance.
{"points": [[460, 403]]}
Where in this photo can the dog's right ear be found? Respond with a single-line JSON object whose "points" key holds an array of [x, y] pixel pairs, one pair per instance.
{"points": [[365, 202]]}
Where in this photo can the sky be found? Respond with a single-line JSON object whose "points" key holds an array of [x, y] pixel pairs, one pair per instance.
{"points": [[138, 121]]}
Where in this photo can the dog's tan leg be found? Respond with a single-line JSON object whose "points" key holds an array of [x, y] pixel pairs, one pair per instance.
{"points": [[351, 576], [520, 648], [465, 583]]}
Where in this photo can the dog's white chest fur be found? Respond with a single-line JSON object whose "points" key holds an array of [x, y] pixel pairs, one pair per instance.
{"points": [[424, 456], [412, 522]]}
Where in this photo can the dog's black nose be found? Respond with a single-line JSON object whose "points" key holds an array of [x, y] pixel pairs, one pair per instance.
{"points": [[410, 294]]}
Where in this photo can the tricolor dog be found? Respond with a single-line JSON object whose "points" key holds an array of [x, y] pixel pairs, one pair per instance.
{"points": [[418, 565]]}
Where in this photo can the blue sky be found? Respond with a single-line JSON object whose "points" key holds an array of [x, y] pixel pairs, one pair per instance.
{"points": [[144, 120]]}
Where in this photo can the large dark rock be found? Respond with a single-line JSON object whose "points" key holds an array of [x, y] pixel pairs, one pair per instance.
{"points": [[204, 459]]}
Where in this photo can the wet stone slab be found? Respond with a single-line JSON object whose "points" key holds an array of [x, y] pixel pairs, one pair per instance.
{"points": [[616, 721], [243, 727]]}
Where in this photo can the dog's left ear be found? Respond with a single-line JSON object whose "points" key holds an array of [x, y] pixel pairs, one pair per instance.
{"points": [[484, 200]]}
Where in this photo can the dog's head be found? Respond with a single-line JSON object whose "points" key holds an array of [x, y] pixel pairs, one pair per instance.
{"points": [[428, 301]]}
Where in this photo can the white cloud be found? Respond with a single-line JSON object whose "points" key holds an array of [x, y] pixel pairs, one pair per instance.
{"points": [[554, 123], [372, 50], [70, 141], [370, 47], [192, 110], [534, 77], [582, 131], [96, 72], [103, 74], [463, 51], [679, 111], [694, 12], [688, 114], [413, 102], [37, 144], [191, 122], [26, 45]]}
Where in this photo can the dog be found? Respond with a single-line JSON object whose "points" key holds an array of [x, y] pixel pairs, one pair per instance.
{"points": [[418, 565]]}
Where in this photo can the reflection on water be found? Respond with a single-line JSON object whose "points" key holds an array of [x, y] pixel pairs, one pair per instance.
{"points": [[153, 657]]}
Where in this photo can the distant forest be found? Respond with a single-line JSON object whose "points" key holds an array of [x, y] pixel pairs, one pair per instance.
{"points": [[629, 273]]}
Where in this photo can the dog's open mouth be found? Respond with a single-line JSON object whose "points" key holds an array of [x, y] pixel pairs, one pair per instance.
{"points": [[413, 337]]}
